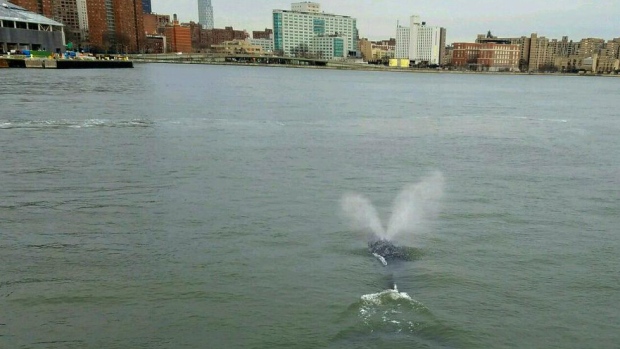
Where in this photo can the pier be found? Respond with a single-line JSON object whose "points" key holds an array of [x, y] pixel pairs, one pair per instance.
{"points": [[63, 63]]}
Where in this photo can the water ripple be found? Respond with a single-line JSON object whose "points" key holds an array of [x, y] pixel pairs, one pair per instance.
{"points": [[72, 124]]}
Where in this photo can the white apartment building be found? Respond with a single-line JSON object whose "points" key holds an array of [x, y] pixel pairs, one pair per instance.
{"points": [[425, 44], [329, 47], [306, 6], [402, 42], [265, 44], [294, 31], [82, 11]]}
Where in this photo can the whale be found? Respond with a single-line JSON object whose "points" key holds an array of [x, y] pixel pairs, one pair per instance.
{"points": [[385, 251]]}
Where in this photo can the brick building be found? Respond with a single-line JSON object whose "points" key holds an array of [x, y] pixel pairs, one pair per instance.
{"points": [[486, 56], [155, 44], [204, 39], [63, 11], [66, 12], [178, 38], [198, 39], [116, 25], [262, 34], [375, 51], [219, 36], [523, 42], [42, 7], [154, 23]]}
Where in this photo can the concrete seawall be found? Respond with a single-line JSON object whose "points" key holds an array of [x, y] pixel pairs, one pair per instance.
{"points": [[63, 64], [35, 63], [49, 64], [12, 63], [92, 64]]}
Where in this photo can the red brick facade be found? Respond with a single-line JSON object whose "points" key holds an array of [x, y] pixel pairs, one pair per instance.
{"points": [[155, 44], [203, 39], [262, 34], [486, 55], [30, 5], [153, 22], [178, 38], [218, 36], [127, 35], [97, 24], [42, 7]]}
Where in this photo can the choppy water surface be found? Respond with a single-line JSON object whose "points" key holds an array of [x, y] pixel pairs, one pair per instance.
{"points": [[198, 206]]}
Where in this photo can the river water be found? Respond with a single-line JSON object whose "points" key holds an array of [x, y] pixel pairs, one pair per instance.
{"points": [[192, 206]]}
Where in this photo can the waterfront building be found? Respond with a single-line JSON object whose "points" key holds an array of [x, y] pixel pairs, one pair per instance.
{"points": [[218, 36], [447, 56], [82, 14], [592, 55], [611, 48], [265, 44], [42, 7], [263, 34], [384, 49], [590, 46], [486, 56], [205, 14], [204, 39], [329, 47], [373, 51], [381, 54], [232, 47], [365, 48], [607, 64], [523, 42], [155, 44], [559, 47], [21, 29], [63, 11], [538, 53], [541, 57], [146, 6], [66, 12], [306, 6], [154, 23], [425, 44], [402, 42], [178, 37], [295, 30], [116, 25]]}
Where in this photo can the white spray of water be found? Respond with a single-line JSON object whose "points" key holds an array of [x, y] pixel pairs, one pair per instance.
{"points": [[412, 210], [361, 214]]}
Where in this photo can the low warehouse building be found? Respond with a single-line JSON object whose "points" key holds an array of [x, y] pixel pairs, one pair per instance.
{"points": [[21, 29]]}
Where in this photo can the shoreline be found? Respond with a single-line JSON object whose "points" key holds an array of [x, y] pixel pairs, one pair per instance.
{"points": [[365, 67]]}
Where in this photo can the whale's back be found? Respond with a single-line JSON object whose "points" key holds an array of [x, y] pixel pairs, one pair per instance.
{"points": [[387, 250]]}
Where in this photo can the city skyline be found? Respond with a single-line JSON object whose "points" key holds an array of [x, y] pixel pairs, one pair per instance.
{"points": [[377, 18]]}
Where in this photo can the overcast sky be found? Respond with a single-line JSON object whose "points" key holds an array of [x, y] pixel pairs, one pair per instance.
{"points": [[463, 19]]}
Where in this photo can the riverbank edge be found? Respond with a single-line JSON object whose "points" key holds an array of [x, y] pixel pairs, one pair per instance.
{"points": [[369, 68]]}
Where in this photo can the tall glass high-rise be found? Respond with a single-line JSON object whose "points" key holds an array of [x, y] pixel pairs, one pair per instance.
{"points": [[205, 14]]}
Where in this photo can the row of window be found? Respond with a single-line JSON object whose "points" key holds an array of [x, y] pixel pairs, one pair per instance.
{"points": [[326, 28], [24, 25], [330, 19], [294, 17]]}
